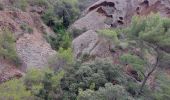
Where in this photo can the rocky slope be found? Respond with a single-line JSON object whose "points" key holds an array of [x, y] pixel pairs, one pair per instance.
{"points": [[32, 48], [114, 13]]}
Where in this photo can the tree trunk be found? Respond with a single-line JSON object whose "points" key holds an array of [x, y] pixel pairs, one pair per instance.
{"points": [[150, 72]]}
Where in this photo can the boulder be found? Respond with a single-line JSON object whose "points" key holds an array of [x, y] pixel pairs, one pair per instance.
{"points": [[90, 43]]}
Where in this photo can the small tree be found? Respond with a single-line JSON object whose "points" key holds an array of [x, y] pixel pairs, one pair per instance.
{"points": [[152, 68], [7, 47], [14, 90]]}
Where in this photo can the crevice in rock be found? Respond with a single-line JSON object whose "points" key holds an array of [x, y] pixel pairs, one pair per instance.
{"points": [[105, 3], [102, 11]]}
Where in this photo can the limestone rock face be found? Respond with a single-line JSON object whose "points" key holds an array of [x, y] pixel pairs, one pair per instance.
{"points": [[92, 44], [110, 14], [118, 13]]}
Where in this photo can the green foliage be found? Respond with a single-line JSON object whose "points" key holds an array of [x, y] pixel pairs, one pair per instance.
{"points": [[61, 15], [83, 76], [123, 45], [33, 80], [7, 47], [62, 59], [112, 34], [109, 92], [62, 39], [44, 84], [85, 95], [14, 90], [137, 63], [132, 88], [66, 54], [163, 93], [51, 86], [40, 3], [67, 10], [153, 29], [26, 28], [21, 4]]}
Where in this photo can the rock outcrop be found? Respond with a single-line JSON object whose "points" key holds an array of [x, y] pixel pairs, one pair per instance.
{"points": [[110, 14], [90, 43], [117, 13]]}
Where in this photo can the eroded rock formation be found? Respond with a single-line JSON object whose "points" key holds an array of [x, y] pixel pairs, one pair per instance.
{"points": [[116, 13], [90, 43]]}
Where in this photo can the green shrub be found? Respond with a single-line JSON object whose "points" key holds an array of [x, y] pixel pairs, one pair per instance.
{"points": [[62, 59], [163, 93], [51, 86], [21, 4], [62, 39], [66, 54], [44, 84], [123, 45], [68, 10], [15, 90], [137, 63], [83, 76], [111, 34], [153, 29], [109, 92], [7, 47], [40, 3], [26, 28], [33, 80]]}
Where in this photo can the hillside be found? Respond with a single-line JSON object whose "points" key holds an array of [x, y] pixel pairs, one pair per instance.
{"points": [[84, 49]]}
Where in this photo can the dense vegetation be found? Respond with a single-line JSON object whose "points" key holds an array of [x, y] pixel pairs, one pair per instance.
{"points": [[7, 47], [100, 79]]}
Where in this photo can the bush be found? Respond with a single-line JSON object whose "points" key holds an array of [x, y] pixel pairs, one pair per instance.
{"points": [[21, 4], [137, 63], [111, 34], [44, 84], [62, 39], [66, 54], [164, 90], [26, 28], [41, 3], [33, 80], [51, 86], [83, 76], [109, 92], [61, 15], [153, 29], [67, 10], [15, 90], [62, 59], [7, 47]]}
